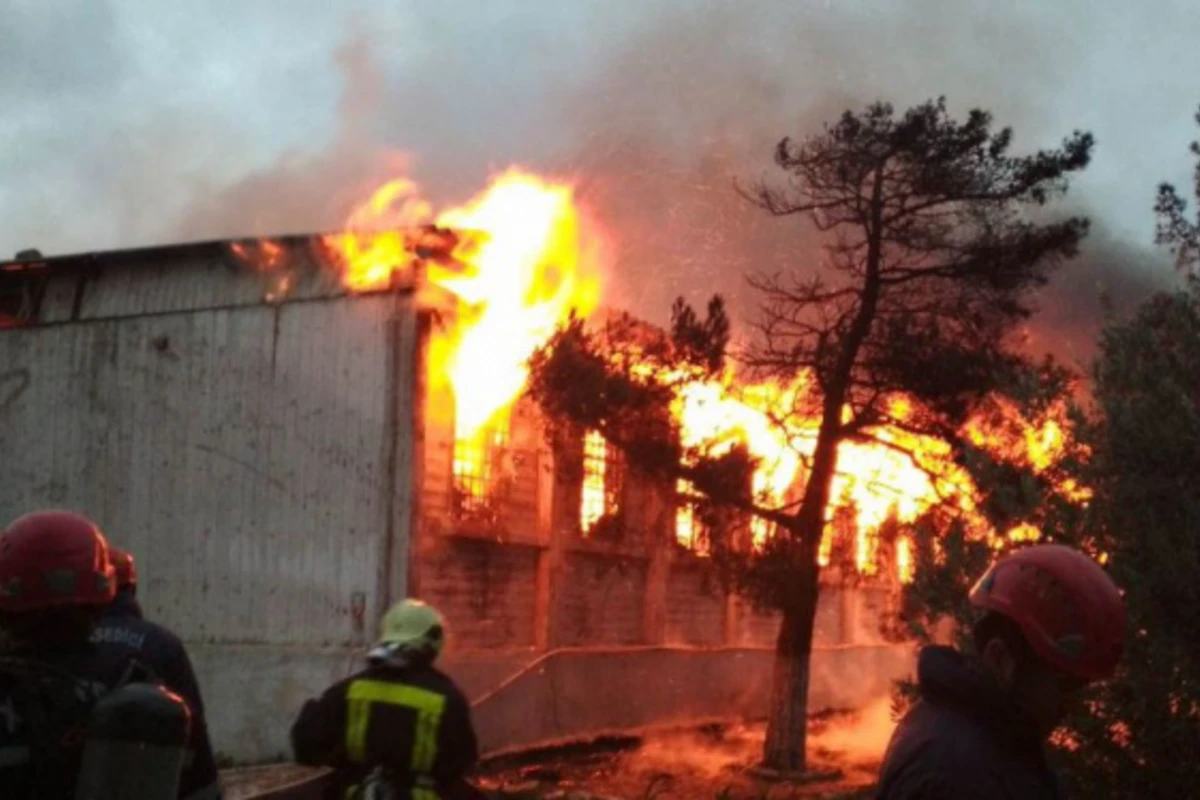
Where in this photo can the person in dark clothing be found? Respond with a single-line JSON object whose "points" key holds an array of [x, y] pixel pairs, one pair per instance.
{"points": [[400, 727], [55, 578], [1053, 621], [120, 633]]}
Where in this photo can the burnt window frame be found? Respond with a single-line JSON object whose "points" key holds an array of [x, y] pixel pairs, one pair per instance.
{"points": [[610, 523]]}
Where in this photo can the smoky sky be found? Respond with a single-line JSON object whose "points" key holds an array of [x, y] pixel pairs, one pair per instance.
{"points": [[138, 122]]}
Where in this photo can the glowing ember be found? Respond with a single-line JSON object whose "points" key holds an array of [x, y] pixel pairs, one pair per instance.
{"points": [[262, 254], [266, 256], [687, 527]]}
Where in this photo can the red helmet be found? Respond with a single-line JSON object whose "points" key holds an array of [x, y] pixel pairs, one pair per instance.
{"points": [[54, 558], [1070, 611], [125, 567]]}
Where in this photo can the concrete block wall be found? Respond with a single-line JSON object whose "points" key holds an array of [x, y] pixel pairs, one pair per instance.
{"points": [[696, 604], [487, 591], [571, 694], [600, 600], [550, 626]]}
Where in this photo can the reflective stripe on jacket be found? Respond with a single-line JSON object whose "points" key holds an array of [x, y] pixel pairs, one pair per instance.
{"points": [[411, 724]]}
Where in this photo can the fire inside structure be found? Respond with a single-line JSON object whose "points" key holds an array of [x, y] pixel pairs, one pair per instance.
{"points": [[291, 433], [527, 258]]}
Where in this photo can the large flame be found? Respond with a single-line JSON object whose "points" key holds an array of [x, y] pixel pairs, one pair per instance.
{"points": [[528, 266], [892, 474], [524, 257]]}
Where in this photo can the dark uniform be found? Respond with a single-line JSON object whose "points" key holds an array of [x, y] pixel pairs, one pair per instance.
{"points": [[46, 701], [120, 634], [964, 739], [412, 721]]}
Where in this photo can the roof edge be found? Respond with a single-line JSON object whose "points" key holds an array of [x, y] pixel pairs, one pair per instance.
{"points": [[95, 258]]}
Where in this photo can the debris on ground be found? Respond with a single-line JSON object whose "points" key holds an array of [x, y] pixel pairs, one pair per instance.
{"points": [[710, 762], [715, 761], [243, 783]]}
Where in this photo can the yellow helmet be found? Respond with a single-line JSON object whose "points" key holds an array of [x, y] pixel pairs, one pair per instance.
{"points": [[414, 626]]}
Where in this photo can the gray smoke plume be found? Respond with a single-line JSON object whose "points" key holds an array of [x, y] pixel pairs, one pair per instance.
{"points": [[656, 108]]}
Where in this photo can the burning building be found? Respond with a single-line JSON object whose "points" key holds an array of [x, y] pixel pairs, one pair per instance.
{"points": [[291, 434]]}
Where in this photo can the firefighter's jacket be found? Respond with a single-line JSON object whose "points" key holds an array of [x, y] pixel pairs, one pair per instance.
{"points": [[963, 739], [412, 721], [46, 701], [121, 633]]}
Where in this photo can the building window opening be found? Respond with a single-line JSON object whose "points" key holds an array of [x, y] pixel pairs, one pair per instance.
{"points": [[478, 465], [904, 560], [600, 492], [690, 529], [760, 532]]}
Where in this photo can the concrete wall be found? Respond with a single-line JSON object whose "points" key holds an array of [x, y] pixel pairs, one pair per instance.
{"points": [[696, 606], [260, 460], [487, 589], [569, 694], [600, 600], [255, 458]]}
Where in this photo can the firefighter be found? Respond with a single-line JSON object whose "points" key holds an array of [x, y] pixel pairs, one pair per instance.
{"points": [[55, 580], [126, 603], [121, 633], [1052, 622], [398, 726]]}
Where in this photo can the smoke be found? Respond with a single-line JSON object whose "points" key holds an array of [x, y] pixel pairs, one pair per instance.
{"points": [[1107, 270], [307, 192], [657, 113], [698, 97]]}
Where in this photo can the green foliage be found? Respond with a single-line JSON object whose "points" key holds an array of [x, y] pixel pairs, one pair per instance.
{"points": [[1011, 493], [1148, 454], [929, 259], [1142, 730], [1137, 734], [930, 265], [620, 380], [1175, 230]]}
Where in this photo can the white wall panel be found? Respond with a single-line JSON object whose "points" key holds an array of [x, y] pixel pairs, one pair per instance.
{"points": [[241, 454]]}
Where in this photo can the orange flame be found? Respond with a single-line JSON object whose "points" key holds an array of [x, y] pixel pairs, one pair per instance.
{"points": [[525, 257], [530, 261], [267, 256], [521, 256], [895, 474], [378, 240]]}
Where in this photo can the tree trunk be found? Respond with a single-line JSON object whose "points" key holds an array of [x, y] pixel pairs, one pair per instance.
{"points": [[785, 747], [787, 721]]}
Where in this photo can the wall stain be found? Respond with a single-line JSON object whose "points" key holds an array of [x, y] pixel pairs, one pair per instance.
{"points": [[13, 384], [271, 479]]}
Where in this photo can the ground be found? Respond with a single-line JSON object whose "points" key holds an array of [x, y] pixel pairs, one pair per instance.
{"points": [[244, 783], [709, 762], [697, 763]]}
